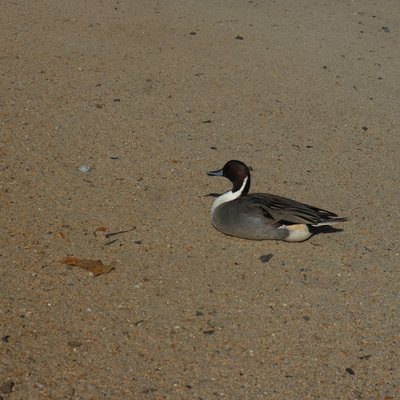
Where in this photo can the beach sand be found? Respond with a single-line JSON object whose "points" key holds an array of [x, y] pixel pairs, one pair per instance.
{"points": [[111, 114]]}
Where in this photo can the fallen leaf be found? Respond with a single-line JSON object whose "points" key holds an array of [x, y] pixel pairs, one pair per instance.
{"points": [[96, 267]]}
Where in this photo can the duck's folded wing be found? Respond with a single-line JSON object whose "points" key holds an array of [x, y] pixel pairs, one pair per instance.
{"points": [[288, 211]]}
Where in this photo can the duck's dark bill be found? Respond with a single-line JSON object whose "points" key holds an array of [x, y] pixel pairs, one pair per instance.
{"points": [[219, 172]]}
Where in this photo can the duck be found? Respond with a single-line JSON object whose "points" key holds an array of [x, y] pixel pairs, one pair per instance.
{"points": [[263, 216]]}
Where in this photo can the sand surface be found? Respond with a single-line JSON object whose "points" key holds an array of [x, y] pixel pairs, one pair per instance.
{"points": [[150, 95]]}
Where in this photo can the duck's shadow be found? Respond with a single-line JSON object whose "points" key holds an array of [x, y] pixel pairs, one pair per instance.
{"points": [[316, 230]]}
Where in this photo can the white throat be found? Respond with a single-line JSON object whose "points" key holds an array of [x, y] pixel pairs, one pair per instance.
{"points": [[228, 196]]}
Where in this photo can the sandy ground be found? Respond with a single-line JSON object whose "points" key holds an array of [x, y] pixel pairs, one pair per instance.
{"points": [[151, 95]]}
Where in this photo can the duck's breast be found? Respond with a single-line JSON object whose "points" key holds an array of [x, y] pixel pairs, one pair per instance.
{"points": [[241, 218]]}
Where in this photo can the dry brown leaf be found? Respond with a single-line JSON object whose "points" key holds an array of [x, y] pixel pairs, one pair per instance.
{"points": [[96, 267], [60, 235]]}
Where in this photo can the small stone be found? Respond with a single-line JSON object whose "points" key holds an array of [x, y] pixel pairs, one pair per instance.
{"points": [[350, 371], [149, 390], [74, 343], [6, 338], [266, 257], [7, 387], [238, 37], [85, 169]]}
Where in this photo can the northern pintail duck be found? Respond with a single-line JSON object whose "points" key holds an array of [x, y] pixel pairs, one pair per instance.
{"points": [[261, 216]]}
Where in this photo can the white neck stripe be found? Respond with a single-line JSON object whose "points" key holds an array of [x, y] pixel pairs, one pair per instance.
{"points": [[228, 196]]}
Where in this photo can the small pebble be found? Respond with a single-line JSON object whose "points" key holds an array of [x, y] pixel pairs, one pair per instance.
{"points": [[350, 371], [74, 343], [7, 387], [85, 169], [266, 257]]}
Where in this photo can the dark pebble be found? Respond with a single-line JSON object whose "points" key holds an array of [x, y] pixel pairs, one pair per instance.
{"points": [[266, 257], [325, 67], [117, 99], [199, 313], [74, 343], [364, 128], [138, 241], [238, 37], [207, 121], [350, 371], [149, 390], [114, 158], [385, 29], [6, 338], [213, 148], [7, 387], [209, 332], [193, 33]]}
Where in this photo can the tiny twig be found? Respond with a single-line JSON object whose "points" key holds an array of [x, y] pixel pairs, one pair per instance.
{"points": [[110, 242], [108, 235]]}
